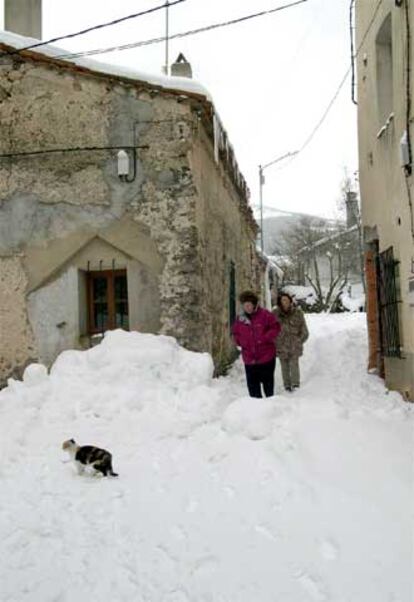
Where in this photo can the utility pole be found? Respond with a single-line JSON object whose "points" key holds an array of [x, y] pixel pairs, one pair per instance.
{"points": [[167, 38], [261, 183]]}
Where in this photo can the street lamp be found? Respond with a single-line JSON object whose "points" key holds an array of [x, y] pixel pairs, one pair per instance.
{"points": [[262, 181]]}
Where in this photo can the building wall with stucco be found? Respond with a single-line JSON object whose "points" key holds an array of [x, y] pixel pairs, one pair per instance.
{"points": [[175, 225], [384, 61]]}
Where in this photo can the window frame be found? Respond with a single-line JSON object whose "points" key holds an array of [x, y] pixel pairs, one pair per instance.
{"points": [[110, 276], [389, 299], [384, 70]]}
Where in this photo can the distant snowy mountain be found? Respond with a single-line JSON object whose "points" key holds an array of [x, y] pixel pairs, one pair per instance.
{"points": [[275, 222]]}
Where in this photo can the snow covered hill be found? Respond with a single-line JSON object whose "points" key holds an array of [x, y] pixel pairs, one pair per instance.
{"points": [[276, 223], [220, 498]]}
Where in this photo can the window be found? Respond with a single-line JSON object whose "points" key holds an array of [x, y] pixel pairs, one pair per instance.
{"points": [[388, 299], [108, 300], [232, 294], [383, 44]]}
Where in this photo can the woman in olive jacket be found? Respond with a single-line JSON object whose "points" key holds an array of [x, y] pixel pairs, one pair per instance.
{"points": [[290, 342]]}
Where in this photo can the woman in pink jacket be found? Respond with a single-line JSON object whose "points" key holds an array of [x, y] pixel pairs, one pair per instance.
{"points": [[255, 331]]}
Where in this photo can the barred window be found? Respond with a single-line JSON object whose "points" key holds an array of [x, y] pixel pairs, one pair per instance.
{"points": [[108, 300], [388, 300]]}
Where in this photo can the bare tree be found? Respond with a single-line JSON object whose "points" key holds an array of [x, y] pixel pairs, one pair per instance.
{"points": [[316, 252], [325, 253], [328, 295]]}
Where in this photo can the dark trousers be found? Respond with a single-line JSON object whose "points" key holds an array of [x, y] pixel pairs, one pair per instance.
{"points": [[261, 374]]}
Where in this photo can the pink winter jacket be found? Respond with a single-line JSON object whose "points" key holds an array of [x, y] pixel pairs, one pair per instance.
{"points": [[256, 335]]}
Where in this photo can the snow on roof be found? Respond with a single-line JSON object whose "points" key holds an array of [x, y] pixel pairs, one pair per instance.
{"points": [[329, 238], [270, 261], [181, 84], [274, 265]]}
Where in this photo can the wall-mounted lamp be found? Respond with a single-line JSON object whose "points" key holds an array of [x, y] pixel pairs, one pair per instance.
{"points": [[125, 159]]}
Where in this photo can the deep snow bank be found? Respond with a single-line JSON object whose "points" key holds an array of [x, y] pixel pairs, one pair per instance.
{"points": [[128, 373], [221, 498]]}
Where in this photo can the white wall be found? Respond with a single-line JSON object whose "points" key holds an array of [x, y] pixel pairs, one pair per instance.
{"points": [[54, 315]]}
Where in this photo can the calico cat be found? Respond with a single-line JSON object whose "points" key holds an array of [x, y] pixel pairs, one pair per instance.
{"points": [[89, 455]]}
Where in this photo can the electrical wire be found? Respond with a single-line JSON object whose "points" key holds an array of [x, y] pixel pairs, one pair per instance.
{"points": [[408, 80], [351, 34], [93, 28], [408, 168], [326, 112], [179, 35], [76, 149], [207, 28], [341, 84]]}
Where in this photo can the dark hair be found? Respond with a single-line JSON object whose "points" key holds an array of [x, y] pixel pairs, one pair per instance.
{"points": [[249, 297], [282, 294]]}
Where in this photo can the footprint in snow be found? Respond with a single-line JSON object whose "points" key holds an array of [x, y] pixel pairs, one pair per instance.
{"points": [[229, 491], [178, 533], [166, 555], [329, 549], [266, 532], [178, 595], [218, 455], [312, 586], [191, 506], [205, 566]]}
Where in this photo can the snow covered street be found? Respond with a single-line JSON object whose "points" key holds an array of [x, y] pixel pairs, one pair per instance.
{"points": [[221, 498]]}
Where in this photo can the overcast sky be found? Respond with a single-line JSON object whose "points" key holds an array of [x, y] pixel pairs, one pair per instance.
{"points": [[271, 79]]}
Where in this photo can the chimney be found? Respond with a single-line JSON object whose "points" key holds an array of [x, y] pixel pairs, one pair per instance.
{"points": [[181, 67], [23, 17], [352, 209]]}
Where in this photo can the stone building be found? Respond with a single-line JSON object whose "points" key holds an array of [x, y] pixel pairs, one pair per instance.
{"points": [[121, 205], [385, 55]]}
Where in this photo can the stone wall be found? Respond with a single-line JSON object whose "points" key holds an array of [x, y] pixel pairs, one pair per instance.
{"points": [[167, 206], [162, 225], [226, 235], [17, 347]]}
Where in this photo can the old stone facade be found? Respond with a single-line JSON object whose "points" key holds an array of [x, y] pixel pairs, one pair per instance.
{"points": [[160, 249], [384, 64]]}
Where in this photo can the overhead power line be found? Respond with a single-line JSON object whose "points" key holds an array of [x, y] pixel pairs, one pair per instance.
{"points": [[76, 149], [342, 82], [95, 27], [326, 112], [183, 34], [351, 35]]}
